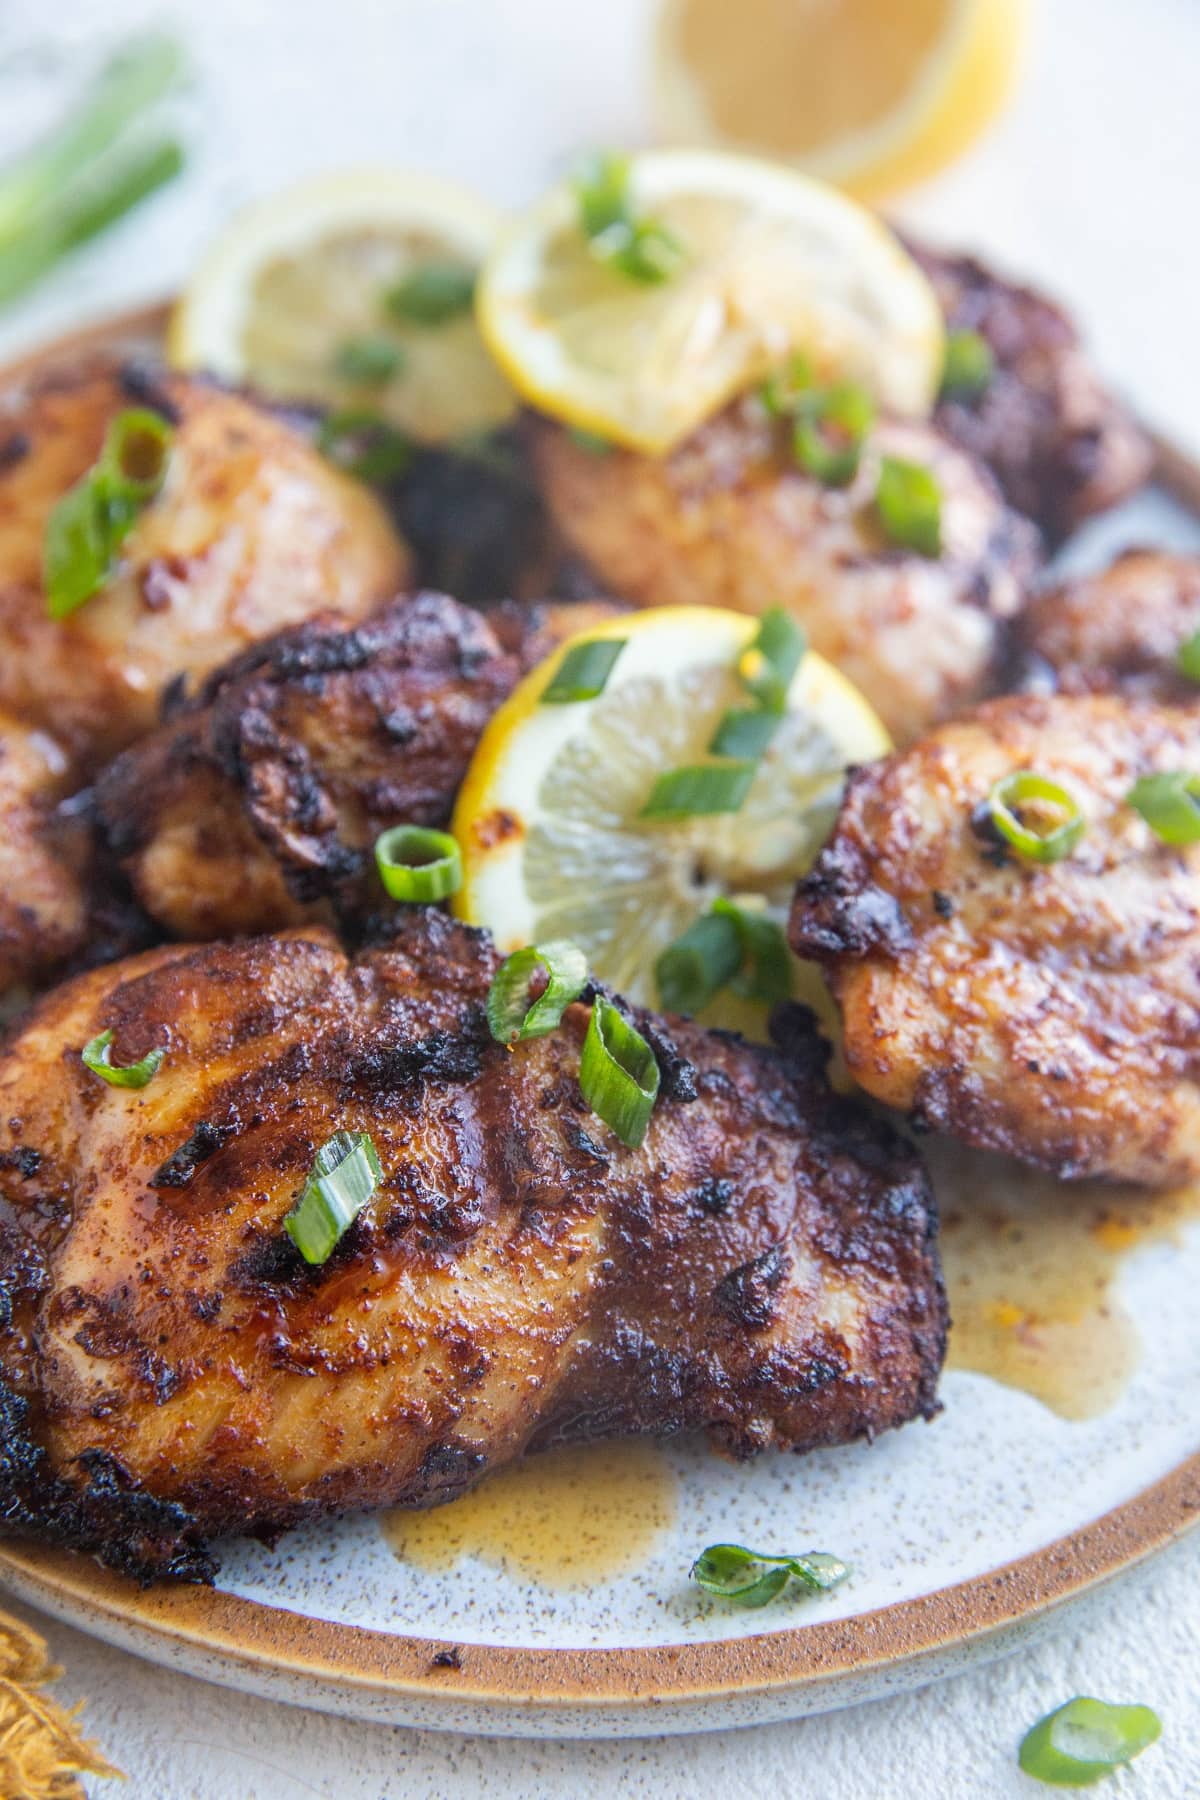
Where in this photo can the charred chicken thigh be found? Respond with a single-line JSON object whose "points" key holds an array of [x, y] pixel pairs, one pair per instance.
{"points": [[763, 1268], [1119, 631], [1048, 1010]]}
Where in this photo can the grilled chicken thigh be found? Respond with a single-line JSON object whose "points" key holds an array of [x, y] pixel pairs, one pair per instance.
{"points": [[1051, 1011], [1060, 445], [251, 531], [258, 804], [1118, 631], [43, 892], [729, 520], [763, 1268]]}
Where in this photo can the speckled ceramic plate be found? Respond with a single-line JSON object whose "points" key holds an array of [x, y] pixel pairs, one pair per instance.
{"points": [[557, 1600]]}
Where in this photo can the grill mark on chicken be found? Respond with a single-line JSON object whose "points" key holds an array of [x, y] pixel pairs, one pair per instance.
{"points": [[764, 1267], [1049, 1011]]}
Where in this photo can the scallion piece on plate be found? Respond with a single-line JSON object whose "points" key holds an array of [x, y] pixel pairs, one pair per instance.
{"points": [[364, 445], [764, 960], [704, 959], [97, 1056], [700, 788], [909, 503], [583, 671], [432, 294], [1187, 657], [968, 367], [639, 248], [618, 1073], [1040, 818], [749, 1578], [368, 361], [744, 732], [418, 865], [1170, 805], [829, 429], [781, 391], [770, 661], [1086, 1739], [344, 1176], [87, 527], [513, 1011]]}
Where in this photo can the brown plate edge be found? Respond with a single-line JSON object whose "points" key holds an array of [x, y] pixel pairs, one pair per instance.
{"points": [[252, 1634]]}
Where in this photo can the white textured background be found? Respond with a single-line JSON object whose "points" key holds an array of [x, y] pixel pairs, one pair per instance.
{"points": [[1090, 185]]}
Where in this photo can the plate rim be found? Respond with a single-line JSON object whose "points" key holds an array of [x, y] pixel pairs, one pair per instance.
{"points": [[256, 1635]]}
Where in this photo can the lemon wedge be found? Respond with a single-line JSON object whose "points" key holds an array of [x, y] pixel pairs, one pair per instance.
{"points": [[550, 817], [870, 94], [769, 262], [352, 291]]}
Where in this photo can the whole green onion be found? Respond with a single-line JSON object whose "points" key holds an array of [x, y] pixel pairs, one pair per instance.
{"points": [[343, 1177], [432, 294], [1086, 1739], [513, 1014], [908, 501], [969, 365], [1170, 805], [700, 788], [1016, 801], [87, 527], [368, 361], [829, 429], [364, 445], [704, 959], [418, 865], [97, 1056], [618, 1073], [583, 672], [748, 1578]]}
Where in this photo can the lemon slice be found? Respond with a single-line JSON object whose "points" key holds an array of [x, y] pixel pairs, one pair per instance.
{"points": [[548, 818], [867, 93], [772, 263], [293, 298]]}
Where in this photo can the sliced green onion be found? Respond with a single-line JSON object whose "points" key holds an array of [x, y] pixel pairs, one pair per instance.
{"points": [[770, 661], [750, 1579], [344, 1175], [418, 865], [969, 365], [1040, 818], [829, 430], [97, 1056], [591, 441], [639, 248], [1086, 1739], [704, 959], [909, 503], [513, 1013], [583, 672], [700, 788], [87, 527], [1170, 805], [364, 445], [618, 1073], [780, 392], [368, 361], [744, 732], [763, 956], [1187, 657], [433, 294]]}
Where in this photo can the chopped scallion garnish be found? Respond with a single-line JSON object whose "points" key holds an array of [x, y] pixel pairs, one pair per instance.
{"points": [[704, 959], [1086, 1739], [364, 445], [1040, 818], [368, 361], [744, 732], [591, 441], [772, 658], [618, 1073], [829, 429], [1170, 805], [432, 294], [969, 365], [583, 671], [909, 503], [781, 391], [89, 524], [513, 1012], [749, 1578], [418, 865], [97, 1056], [640, 248], [344, 1176], [718, 787], [1187, 657], [764, 959]]}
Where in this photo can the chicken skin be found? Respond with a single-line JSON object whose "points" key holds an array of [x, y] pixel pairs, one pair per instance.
{"points": [[43, 892], [764, 1267], [252, 530], [257, 805], [1047, 1010], [1116, 632], [1061, 446], [729, 520]]}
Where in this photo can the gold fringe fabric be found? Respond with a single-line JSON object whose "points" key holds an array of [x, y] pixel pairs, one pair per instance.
{"points": [[41, 1750]]}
